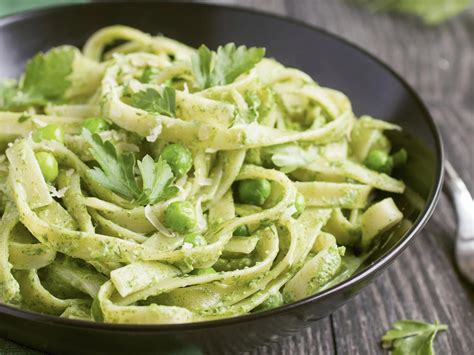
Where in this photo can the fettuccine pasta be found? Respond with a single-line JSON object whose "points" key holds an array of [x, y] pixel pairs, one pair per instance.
{"points": [[145, 181]]}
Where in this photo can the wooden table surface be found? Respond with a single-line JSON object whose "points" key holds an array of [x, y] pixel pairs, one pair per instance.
{"points": [[422, 283]]}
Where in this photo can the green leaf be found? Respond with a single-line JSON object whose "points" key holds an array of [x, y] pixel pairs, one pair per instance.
{"points": [[147, 171], [45, 79], [201, 66], [116, 171], [232, 62], [168, 192], [411, 337], [169, 101], [157, 178], [228, 64], [12, 98], [431, 11], [149, 73], [46, 74], [152, 101]]}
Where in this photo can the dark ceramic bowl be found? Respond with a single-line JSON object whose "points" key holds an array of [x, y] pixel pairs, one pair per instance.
{"points": [[372, 87]]}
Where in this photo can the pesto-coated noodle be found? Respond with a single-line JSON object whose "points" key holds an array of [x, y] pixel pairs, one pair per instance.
{"points": [[181, 185]]}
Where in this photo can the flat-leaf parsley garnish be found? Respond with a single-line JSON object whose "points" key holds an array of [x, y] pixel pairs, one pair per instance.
{"points": [[151, 100], [117, 173], [411, 337], [223, 67], [46, 75]]}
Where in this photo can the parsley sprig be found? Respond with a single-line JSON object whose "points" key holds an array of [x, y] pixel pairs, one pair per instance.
{"points": [[46, 74], [432, 12], [150, 100], [13, 98], [148, 74], [157, 178], [411, 337], [221, 68], [117, 173], [45, 79]]}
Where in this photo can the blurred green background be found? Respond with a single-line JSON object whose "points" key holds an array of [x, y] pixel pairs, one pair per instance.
{"points": [[432, 12], [8, 7]]}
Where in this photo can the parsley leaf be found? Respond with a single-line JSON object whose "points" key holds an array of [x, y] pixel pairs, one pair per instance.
{"points": [[156, 177], [411, 337], [45, 78], [117, 173], [148, 74], [201, 66], [46, 73], [232, 61], [229, 62], [12, 98], [432, 12], [152, 101]]}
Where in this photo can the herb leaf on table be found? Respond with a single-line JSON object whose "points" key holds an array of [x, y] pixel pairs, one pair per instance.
{"points": [[411, 337], [431, 11]]}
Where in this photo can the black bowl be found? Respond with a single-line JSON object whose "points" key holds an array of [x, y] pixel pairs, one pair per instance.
{"points": [[372, 87]]}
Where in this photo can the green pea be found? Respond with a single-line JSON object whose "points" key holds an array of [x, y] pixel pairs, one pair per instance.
{"points": [[196, 240], [400, 157], [205, 271], [51, 132], [242, 231], [180, 216], [95, 125], [179, 158], [254, 192], [379, 161], [48, 165], [300, 205]]}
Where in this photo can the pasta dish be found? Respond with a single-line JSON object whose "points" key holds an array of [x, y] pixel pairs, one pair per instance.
{"points": [[145, 181]]}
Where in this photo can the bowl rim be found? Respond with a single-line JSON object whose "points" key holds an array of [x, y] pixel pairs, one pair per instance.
{"points": [[370, 271]]}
